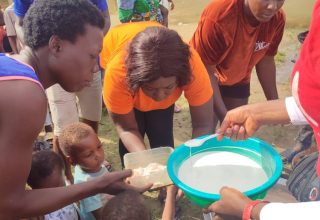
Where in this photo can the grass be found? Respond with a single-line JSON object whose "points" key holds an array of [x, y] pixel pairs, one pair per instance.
{"points": [[280, 57]]}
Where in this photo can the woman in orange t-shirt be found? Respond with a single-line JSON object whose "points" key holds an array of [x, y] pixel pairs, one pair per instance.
{"points": [[143, 82]]}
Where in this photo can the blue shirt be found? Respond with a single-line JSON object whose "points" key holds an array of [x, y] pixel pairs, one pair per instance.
{"points": [[101, 4], [11, 69], [90, 204], [21, 6]]}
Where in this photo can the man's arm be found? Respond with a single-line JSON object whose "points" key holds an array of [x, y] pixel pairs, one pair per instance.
{"points": [[219, 106], [22, 111], [11, 31], [128, 131], [1, 18], [13, 44], [202, 119], [266, 71], [19, 29]]}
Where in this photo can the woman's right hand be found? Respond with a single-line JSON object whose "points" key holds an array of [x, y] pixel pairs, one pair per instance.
{"points": [[242, 122], [239, 124]]}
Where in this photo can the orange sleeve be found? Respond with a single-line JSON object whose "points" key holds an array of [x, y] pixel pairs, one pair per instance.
{"points": [[199, 90], [273, 49], [116, 94], [209, 41]]}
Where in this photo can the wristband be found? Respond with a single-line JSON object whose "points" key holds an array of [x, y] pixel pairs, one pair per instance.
{"points": [[246, 215]]}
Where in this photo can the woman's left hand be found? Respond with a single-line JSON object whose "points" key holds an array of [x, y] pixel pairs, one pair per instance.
{"points": [[231, 204]]}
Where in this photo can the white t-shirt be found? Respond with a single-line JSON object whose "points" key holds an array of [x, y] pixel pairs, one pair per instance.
{"points": [[66, 213], [291, 211], [295, 114]]}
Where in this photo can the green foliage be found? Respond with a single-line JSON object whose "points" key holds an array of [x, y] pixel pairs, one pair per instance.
{"points": [[280, 57]]}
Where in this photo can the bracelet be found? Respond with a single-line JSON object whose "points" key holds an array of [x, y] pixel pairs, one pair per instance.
{"points": [[246, 215]]}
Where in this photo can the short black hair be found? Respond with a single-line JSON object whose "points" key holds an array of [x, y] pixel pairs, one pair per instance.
{"points": [[128, 205], [43, 164], [157, 52], [63, 18]]}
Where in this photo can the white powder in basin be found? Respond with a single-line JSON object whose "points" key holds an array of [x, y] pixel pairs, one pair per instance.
{"points": [[209, 171]]}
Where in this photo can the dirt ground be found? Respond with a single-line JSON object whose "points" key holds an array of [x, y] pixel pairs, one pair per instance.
{"points": [[281, 137]]}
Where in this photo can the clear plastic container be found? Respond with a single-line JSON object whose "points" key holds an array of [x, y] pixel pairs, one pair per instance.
{"points": [[149, 166]]}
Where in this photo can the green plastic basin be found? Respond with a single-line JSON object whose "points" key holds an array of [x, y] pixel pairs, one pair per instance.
{"points": [[253, 148]]}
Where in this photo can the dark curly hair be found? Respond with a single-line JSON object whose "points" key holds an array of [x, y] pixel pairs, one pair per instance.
{"points": [[71, 137], [157, 52], [63, 18], [43, 164], [128, 205]]}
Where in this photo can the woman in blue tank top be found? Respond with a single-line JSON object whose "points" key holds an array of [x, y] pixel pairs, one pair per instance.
{"points": [[63, 39]]}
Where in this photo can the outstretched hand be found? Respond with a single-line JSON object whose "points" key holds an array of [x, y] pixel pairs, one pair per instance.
{"points": [[113, 183], [231, 204]]}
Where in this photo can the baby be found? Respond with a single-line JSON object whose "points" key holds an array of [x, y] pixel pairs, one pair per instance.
{"points": [[47, 171], [130, 205]]}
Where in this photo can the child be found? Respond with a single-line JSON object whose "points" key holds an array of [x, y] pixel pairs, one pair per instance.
{"points": [[83, 149], [130, 205], [47, 171]]}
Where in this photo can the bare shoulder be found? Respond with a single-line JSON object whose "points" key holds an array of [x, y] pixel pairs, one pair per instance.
{"points": [[13, 92], [23, 107]]}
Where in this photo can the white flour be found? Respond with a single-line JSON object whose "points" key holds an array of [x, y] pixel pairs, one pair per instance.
{"points": [[209, 171]]}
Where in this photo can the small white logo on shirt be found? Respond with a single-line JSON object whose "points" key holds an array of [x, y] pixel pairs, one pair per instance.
{"points": [[260, 45]]}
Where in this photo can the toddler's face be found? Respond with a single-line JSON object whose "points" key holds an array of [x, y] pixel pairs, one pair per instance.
{"points": [[90, 153]]}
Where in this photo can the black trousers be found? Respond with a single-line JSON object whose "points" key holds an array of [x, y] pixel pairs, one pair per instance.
{"points": [[157, 124], [6, 45], [239, 91]]}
